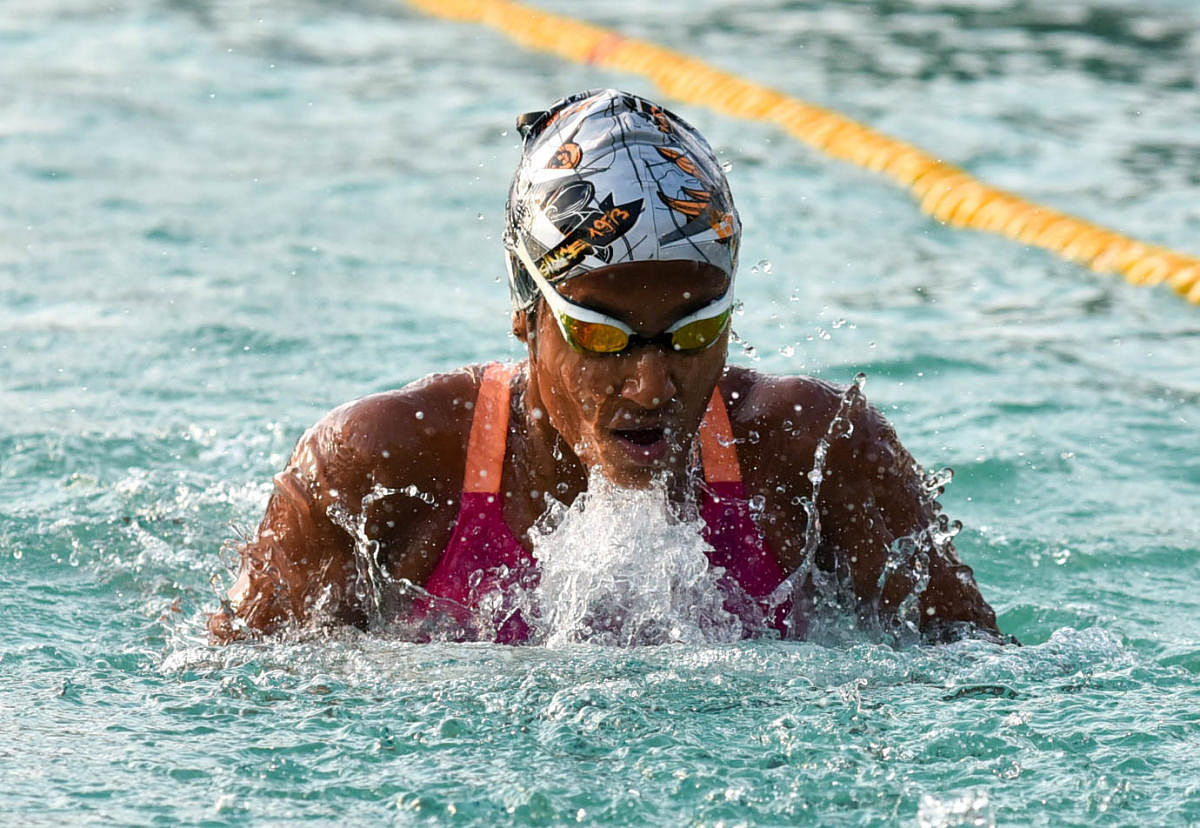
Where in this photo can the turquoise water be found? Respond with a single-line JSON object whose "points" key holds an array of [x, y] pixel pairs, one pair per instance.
{"points": [[220, 219]]}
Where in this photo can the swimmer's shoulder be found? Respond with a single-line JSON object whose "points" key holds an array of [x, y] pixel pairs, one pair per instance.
{"points": [[411, 435], [771, 401], [791, 413]]}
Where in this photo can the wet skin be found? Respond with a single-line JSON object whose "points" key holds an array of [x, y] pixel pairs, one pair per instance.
{"points": [[634, 415]]}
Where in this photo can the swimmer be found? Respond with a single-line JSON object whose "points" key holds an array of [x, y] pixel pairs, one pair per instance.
{"points": [[622, 242]]}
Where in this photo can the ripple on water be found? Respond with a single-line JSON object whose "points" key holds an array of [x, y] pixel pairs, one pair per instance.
{"points": [[649, 725], [163, 305]]}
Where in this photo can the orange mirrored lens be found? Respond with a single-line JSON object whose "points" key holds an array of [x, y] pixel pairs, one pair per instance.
{"points": [[595, 336], [699, 334]]}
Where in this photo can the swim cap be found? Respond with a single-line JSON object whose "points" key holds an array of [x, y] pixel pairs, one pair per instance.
{"points": [[607, 177]]}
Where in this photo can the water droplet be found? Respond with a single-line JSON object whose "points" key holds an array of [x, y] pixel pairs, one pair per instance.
{"points": [[938, 479], [420, 415], [726, 166], [787, 350]]}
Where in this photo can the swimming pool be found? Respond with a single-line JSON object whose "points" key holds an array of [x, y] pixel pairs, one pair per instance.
{"points": [[221, 219]]}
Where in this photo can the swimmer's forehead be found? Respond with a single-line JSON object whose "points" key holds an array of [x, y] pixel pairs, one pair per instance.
{"points": [[682, 284]]}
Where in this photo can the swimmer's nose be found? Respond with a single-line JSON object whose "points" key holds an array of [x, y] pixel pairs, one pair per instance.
{"points": [[648, 382]]}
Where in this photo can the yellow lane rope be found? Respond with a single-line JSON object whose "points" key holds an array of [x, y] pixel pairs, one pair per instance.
{"points": [[943, 190]]}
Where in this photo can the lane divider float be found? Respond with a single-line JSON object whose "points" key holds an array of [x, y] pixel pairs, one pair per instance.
{"points": [[944, 191]]}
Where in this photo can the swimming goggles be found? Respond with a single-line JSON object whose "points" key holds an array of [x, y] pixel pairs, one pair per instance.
{"points": [[588, 330]]}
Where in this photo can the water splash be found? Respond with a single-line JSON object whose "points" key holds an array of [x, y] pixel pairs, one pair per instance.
{"points": [[620, 567], [825, 598], [825, 585], [625, 567], [381, 597], [909, 558]]}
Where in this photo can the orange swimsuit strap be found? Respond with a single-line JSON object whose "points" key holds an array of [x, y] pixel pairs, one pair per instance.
{"points": [[718, 454], [489, 430]]}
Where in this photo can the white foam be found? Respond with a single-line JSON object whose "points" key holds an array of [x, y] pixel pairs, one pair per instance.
{"points": [[624, 567]]}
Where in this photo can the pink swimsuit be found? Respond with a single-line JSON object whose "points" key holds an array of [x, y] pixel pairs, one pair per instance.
{"points": [[484, 555]]}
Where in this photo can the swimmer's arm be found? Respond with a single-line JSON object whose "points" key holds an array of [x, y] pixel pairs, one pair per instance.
{"points": [[878, 497], [298, 563]]}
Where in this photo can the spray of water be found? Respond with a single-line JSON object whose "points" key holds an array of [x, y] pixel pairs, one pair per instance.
{"points": [[625, 567], [824, 600], [909, 557], [382, 598], [813, 591]]}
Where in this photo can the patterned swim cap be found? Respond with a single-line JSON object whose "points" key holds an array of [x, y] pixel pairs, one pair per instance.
{"points": [[607, 177]]}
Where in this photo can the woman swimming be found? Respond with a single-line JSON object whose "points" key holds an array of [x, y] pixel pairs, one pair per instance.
{"points": [[622, 241]]}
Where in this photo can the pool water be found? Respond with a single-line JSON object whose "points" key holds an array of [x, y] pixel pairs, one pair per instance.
{"points": [[220, 219]]}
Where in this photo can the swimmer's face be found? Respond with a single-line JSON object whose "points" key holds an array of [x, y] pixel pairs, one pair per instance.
{"points": [[634, 413]]}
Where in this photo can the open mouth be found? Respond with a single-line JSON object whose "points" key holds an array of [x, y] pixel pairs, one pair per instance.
{"points": [[641, 436], [643, 445]]}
